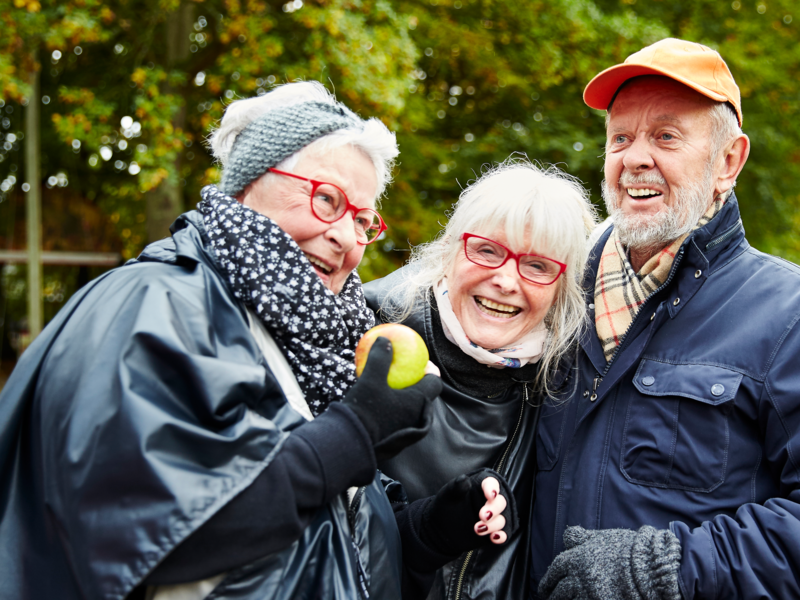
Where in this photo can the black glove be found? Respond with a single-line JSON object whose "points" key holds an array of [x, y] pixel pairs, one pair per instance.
{"points": [[447, 520], [393, 418], [615, 564]]}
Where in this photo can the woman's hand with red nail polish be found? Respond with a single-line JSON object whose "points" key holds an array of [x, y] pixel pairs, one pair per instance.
{"points": [[446, 522], [491, 519]]}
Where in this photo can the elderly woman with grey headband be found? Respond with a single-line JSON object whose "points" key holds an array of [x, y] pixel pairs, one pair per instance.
{"points": [[190, 425], [498, 299]]}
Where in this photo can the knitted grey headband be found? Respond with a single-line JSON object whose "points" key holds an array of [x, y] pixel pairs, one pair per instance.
{"points": [[278, 134]]}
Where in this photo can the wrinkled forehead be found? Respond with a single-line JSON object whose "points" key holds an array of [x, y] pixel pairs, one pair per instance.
{"points": [[656, 99], [346, 167]]}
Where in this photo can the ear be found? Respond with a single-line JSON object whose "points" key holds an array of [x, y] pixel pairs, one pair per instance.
{"points": [[247, 195], [242, 196], [730, 163]]}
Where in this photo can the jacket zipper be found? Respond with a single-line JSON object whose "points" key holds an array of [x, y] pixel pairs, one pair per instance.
{"points": [[461, 574], [724, 236], [351, 518], [463, 571], [502, 460]]}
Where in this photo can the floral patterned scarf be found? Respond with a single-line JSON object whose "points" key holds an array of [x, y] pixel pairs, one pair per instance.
{"points": [[316, 330]]}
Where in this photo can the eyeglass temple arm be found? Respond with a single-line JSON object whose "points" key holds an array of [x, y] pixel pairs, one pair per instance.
{"points": [[271, 170]]}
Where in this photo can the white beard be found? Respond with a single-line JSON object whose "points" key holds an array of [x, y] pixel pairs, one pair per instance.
{"points": [[649, 233]]}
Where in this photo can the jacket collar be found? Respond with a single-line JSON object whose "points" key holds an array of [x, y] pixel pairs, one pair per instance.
{"points": [[721, 235], [702, 252], [724, 232], [189, 241]]}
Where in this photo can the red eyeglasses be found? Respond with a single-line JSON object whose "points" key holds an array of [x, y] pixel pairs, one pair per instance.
{"points": [[329, 203], [493, 255]]}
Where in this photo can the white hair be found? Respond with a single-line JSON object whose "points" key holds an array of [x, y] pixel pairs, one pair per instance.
{"points": [[649, 233], [724, 128], [538, 208], [374, 139]]}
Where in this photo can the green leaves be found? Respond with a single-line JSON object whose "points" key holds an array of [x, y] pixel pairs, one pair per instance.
{"points": [[463, 83], [494, 79]]}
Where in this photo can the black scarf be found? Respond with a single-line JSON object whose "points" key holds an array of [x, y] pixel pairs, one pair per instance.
{"points": [[315, 329]]}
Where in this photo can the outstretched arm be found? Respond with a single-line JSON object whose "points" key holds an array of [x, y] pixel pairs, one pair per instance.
{"points": [[318, 461]]}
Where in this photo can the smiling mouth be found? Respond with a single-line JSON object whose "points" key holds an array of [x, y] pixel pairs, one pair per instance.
{"points": [[495, 309], [644, 194], [318, 264]]}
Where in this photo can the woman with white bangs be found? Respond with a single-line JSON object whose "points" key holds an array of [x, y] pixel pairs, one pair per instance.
{"points": [[498, 299]]}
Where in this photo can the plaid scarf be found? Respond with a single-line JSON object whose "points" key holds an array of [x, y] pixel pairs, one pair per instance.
{"points": [[619, 291]]}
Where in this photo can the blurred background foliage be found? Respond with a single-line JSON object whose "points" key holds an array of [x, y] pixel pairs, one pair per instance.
{"points": [[131, 88]]}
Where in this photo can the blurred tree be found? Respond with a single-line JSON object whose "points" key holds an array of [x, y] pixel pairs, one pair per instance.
{"points": [[130, 89], [130, 97], [497, 78], [37, 26]]}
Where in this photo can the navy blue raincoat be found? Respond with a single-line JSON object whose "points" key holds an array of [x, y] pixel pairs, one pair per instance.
{"points": [[694, 425], [141, 410]]}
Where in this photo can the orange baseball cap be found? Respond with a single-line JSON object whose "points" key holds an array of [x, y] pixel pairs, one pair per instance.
{"points": [[693, 65]]}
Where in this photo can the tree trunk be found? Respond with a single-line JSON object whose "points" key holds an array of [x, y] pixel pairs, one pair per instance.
{"points": [[165, 203], [33, 205]]}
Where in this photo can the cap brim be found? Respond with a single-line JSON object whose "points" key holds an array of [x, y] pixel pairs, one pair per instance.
{"points": [[600, 90]]}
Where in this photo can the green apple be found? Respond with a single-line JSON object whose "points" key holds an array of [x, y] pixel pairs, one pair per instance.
{"points": [[410, 353]]}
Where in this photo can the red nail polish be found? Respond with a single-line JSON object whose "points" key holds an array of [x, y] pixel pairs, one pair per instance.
{"points": [[482, 528], [494, 493], [495, 536], [488, 515]]}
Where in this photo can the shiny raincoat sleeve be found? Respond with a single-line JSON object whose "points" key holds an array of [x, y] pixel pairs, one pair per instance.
{"points": [[153, 409], [756, 554]]}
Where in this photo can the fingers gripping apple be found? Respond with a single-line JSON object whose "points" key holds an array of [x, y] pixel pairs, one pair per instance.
{"points": [[410, 353]]}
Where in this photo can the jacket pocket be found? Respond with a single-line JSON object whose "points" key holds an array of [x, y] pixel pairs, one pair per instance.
{"points": [[676, 432]]}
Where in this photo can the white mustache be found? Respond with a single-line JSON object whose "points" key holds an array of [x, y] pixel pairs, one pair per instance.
{"points": [[650, 177]]}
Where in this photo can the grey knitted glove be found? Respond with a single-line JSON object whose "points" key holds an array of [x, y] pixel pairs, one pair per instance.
{"points": [[615, 564]]}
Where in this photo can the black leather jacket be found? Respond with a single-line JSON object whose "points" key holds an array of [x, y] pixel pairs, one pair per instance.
{"points": [[470, 432]]}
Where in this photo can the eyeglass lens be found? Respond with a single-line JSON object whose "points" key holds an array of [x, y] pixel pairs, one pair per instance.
{"points": [[330, 203], [534, 268]]}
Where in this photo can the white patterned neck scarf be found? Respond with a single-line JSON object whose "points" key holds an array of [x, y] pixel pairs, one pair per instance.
{"points": [[528, 349], [315, 329]]}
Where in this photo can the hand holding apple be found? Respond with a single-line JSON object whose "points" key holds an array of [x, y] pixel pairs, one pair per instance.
{"points": [[410, 359], [394, 418]]}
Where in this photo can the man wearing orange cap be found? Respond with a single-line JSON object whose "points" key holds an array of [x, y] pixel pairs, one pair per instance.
{"points": [[669, 463]]}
